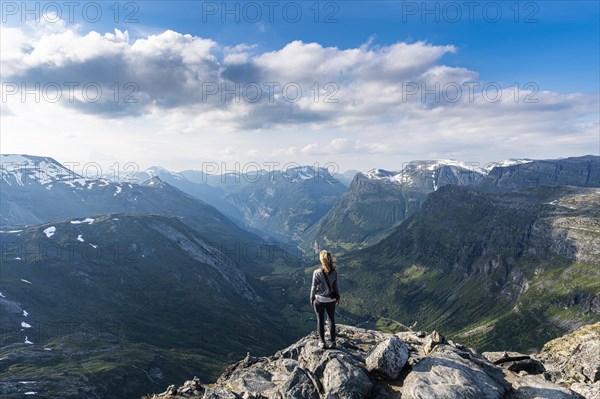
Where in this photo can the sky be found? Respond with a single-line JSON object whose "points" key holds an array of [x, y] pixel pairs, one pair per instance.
{"points": [[355, 84]]}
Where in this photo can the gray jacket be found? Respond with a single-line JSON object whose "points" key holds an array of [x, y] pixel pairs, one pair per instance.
{"points": [[319, 285]]}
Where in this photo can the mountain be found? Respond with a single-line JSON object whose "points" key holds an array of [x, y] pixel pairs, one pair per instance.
{"points": [[286, 202], [37, 190], [119, 305], [411, 365], [346, 177], [213, 194], [110, 289], [575, 171], [276, 204], [485, 267], [380, 199]]}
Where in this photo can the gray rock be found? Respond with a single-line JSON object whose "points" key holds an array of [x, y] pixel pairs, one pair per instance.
{"points": [[171, 390], [254, 381], [534, 387], [503, 357], [219, 393], [299, 385], [448, 373], [574, 357], [515, 361], [432, 340], [591, 391], [388, 358], [353, 370], [345, 381]]}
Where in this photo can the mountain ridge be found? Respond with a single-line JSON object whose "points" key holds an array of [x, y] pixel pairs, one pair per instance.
{"points": [[376, 202]]}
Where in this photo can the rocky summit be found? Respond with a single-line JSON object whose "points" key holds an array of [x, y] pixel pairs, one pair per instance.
{"points": [[409, 365]]}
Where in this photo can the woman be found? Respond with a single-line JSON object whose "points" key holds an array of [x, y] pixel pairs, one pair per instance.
{"points": [[324, 295]]}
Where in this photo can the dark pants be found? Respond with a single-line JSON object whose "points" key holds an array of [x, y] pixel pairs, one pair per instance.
{"points": [[320, 309]]}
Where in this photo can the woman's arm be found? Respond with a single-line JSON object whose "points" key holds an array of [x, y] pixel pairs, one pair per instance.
{"points": [[336, 284], [313, 288], [336, 287]]}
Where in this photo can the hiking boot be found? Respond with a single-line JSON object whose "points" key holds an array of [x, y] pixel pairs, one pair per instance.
{"points": [[323, 345], [332, 345]]}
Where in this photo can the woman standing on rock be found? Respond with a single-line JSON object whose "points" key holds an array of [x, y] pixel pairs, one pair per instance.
{"points": [[324, 295]]}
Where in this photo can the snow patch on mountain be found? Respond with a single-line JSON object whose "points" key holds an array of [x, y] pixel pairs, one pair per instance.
{"points": [[156, 171], [381, 174], [86, 220], [407, 175], [50, 231], [507, 163], [420, 172], [25, 169]]}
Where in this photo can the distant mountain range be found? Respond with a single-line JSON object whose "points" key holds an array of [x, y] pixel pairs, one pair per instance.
{"points": [[379, 199], [288, 206], [277, 204]]}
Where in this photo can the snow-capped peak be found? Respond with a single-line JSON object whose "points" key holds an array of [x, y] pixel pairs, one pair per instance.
{"points": [[440, 163], [380, 174], [430, 174], [25, 169], [507, 163], [157, 171]]}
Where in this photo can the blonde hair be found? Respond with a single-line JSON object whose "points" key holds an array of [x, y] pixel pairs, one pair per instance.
{"points": [[326, 261]]}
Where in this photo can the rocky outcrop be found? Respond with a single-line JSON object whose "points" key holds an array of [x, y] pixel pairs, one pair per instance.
{"points": [[407, 365], [574, 360]]}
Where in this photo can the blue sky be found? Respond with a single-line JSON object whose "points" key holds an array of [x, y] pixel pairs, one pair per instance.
{"points": [[368, 49], [553, 43]]}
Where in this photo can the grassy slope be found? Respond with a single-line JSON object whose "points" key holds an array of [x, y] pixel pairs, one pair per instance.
{"points": [[155, 307], [458, 266]]}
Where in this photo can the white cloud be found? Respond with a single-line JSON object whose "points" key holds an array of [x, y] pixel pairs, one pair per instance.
{"points": [[373, 112]]}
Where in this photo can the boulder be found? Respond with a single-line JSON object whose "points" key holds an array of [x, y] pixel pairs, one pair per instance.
{"points": [[219, 393], [432, 340], [388, 358], [345, 381], [254, 381], [535, 387], [299, 385], [450, 373]]}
